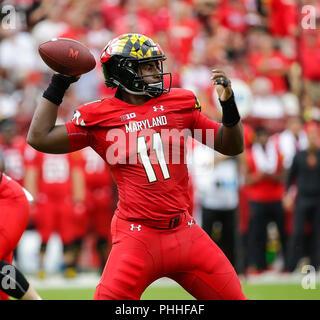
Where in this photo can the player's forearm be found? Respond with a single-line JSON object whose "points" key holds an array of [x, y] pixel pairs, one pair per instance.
{"points": [[43, 134], [42, 123], [229, 140]]}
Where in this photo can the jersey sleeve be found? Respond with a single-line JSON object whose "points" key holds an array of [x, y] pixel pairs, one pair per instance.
{"points": [[79, 137], [80, 129], [204, 129]]}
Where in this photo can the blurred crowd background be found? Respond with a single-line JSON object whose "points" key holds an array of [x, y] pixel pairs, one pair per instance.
{"points": [[248, 204]]}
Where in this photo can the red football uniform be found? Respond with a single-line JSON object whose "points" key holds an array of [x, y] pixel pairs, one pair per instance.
{"points": [[14, 214], [152, 231], [146, 190], [54, 199], [99, 195]]}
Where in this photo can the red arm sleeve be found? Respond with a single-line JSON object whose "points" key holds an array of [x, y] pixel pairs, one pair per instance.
{"points": [[79, 137]]}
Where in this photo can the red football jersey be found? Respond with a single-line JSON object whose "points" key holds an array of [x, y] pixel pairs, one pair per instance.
{"points": [[97, 173], [145, 147], [54, 171], [13, 155]]}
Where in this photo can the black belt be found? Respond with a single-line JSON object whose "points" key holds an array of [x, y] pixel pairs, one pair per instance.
{"points": [[174, 222], [162, 224]]}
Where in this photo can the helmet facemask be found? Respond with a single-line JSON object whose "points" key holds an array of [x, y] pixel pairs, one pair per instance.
{"points": [[153, 89]]}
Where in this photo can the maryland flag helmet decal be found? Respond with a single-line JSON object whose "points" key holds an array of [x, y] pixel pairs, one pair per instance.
{"points": [[132, 45]]}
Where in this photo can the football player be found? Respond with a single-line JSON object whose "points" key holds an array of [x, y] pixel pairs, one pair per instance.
{"points": [[99, 205], [57, 185], [141, 132]]}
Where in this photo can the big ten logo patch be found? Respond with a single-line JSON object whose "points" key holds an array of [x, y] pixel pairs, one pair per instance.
{"points": [[128, 116]]}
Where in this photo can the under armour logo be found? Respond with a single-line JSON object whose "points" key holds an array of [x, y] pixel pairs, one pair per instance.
{"points": [[190, 223], [134, 227], [155, 108]]}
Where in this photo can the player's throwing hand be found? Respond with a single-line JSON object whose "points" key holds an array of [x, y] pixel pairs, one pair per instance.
{"points": [[222, 83]]}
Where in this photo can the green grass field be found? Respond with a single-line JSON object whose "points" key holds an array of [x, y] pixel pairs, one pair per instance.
{"points": [[254, 292]]}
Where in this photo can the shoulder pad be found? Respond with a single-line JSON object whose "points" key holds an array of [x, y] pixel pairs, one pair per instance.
{"points": [[97, 112], [181, 98]]}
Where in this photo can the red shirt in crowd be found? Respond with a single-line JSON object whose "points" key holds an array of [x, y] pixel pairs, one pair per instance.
{"points": [[282, 17], [310, 55], [273, 63], [232, 15], [181, 39], [267, 189]]}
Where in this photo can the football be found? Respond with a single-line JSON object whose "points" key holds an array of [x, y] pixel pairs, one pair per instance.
{"points": [[67, 56]]}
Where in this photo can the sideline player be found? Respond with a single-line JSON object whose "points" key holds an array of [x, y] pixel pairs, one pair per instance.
{"points": [[12, 147], [14, 216], [153, 233], [56, 182], [99, 205]]}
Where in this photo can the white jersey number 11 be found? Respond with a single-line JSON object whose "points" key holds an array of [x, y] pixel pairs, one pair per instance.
{"points": [[157, 146]]}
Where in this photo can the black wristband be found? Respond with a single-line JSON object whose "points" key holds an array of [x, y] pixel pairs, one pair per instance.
{"points": [[57, 88], [230, 113]]}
